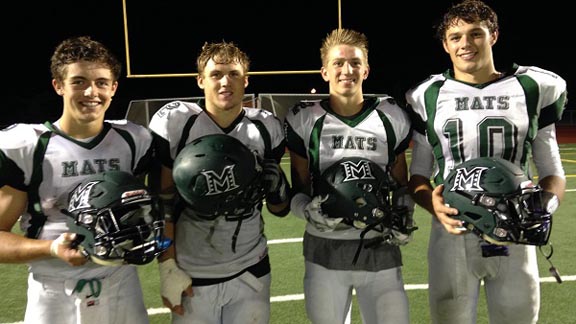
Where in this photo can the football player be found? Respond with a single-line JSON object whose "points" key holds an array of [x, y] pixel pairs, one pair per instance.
{"points": [[474, 110], [40, 164], [218, 160], [339, 129]]}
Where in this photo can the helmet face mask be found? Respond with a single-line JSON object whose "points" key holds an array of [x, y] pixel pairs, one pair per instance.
{"points": [[358, 190], [498, 202], [217, 175], [116, 220]]}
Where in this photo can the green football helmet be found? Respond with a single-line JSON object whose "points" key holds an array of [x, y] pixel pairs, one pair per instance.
{"points": [[360, 191], [498, 202], [217, 175], [116, 219]]}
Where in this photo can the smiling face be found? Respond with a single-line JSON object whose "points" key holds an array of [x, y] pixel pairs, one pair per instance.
{"points": [[87, 89], [224, 85], [470, 48], [345, 70]]}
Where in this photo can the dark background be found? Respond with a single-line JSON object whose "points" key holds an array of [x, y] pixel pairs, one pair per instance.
{"points": [[165, 36]]}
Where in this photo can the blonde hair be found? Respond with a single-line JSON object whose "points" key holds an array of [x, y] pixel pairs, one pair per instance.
{"points": [[222, 53], [343, 37]]}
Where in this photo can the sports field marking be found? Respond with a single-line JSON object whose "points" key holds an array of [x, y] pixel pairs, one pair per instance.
{"points": [[295, 297]]}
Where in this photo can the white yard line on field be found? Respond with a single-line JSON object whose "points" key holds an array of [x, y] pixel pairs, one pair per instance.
{"points": [[287, 298]]}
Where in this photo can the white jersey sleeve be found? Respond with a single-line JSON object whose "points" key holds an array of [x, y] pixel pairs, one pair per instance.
{"points": [[17, 145], [550, 94], [422, 156], [546, 153], [142, 141], [169, 123]]}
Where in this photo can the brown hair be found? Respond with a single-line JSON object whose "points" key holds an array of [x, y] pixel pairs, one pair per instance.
{"points": [[468, 11], [82, 48]]}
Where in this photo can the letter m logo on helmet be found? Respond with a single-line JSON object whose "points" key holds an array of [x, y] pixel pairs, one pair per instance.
{"points": [[468, 180], [80, 197], [356, 170], [220, 183], [217, 175]]}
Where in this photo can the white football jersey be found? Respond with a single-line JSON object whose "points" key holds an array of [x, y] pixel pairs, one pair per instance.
{"points": [[39, 159], [204, 248], [378, 133], [458, 121]]}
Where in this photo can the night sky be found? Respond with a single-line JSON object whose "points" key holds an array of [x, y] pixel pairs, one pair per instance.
{"points": [[165, 37]]}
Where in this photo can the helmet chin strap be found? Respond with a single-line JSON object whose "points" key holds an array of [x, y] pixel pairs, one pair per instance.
{"points": [[553, 271], [362, 234]]}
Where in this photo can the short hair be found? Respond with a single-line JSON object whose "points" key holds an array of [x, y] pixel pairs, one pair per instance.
{"points": [[468, 11], [222, 53], [343, 37], [82, 48]]}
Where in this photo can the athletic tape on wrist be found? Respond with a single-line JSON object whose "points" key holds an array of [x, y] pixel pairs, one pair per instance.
{"points": [[173, 281], [54, 248], [54, 245], [298, 204]]}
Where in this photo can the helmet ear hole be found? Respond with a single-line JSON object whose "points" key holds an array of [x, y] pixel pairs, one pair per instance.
{"points": [[361, 202]]}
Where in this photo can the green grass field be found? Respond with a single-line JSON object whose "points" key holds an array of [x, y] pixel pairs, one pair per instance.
{"points": [[285, 236]]}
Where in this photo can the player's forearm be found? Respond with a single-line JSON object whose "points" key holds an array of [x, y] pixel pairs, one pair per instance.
{"points": [[169, 253], [554, 184], [16, 248], [421, 192]]}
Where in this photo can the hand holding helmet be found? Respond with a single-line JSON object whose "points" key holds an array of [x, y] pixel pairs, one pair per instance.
{"points": [[402, 229], [315, 216], [65, 248], [544, 202]]}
